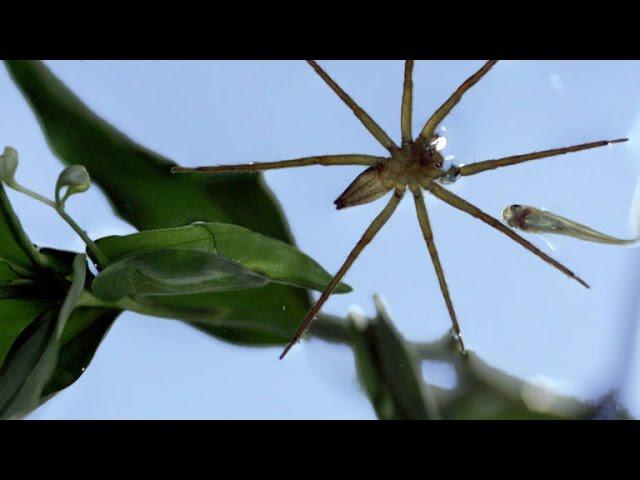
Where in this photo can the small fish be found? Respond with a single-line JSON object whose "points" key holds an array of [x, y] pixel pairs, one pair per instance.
{"points": [[534, 220]]}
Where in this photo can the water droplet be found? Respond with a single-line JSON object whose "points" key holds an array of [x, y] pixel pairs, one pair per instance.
{"points": [[450, 175], [439, 143]]}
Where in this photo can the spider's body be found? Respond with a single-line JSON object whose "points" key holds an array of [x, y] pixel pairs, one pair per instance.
{"points": [[408, 167], [414, 165]]}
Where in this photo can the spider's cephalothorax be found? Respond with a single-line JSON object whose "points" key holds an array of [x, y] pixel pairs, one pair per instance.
{"points": [[415, 165]]}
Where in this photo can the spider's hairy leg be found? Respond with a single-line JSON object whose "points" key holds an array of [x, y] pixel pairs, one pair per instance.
{"points": [[425, 226], [363, 116], [435, 120], [407, 102], [368, 235], [457, 202], [516, 159], [351, 159]]}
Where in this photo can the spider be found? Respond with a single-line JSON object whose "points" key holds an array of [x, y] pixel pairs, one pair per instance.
{"points": [[415, 165]]}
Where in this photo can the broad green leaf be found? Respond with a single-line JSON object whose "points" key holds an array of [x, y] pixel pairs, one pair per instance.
{"points": [[172, 272], [31, 361], [272, 258], [140, 186], [259, 316], [388, 370]]}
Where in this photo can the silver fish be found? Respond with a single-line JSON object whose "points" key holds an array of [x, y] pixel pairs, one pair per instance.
{"points": [[534, 220]]}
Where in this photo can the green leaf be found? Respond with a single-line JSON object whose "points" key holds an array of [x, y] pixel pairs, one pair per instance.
{"points": [[141, 188], [388, 369], [82, 335], [260, 316], [272, 258], [8, 275], [15, 247], [60, 261], [15, 315], [172, 272], [31, 362]]}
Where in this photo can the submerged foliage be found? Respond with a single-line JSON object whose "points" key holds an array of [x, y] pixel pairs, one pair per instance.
{"points": [[213, 252]]}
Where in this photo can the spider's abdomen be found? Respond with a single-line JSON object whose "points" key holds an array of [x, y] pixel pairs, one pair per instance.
{"points": [[367, 187]]}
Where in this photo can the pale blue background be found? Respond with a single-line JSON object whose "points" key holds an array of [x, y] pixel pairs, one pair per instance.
{"points": [[516, 311]]}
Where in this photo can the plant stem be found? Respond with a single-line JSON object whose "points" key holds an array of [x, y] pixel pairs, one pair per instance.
{"points": [[30, 193], [95, 251], [333, 329]]}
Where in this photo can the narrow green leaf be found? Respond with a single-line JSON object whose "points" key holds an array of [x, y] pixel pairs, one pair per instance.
{"points": [[272, 258], [172, 272], [8, 274], [388, 370], [15, 247], [15, 315], [31, 361]]}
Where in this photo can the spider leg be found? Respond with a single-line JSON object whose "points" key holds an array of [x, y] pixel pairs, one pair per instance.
{"points": [[516, 159], [425, 226], [354, 159], [407, 102], [457, 202], [443, 111], [368, 235], [363, 116]]}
